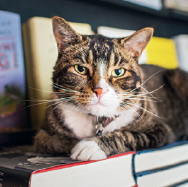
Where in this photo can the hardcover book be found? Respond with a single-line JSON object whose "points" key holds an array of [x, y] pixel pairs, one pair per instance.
{"points": [[165, 166], [25, 168]]}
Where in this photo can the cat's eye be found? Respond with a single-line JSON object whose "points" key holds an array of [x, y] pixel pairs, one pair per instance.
{"points": [[118, 72], [81, 69]]}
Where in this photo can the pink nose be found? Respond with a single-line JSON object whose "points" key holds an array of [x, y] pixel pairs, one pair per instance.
{"points": [[98, 91]]}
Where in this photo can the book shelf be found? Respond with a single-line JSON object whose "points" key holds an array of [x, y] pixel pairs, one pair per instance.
{"points": [[112, 13]]}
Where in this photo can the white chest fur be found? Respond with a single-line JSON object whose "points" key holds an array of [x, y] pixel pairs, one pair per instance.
{"points": [[81, 124]]}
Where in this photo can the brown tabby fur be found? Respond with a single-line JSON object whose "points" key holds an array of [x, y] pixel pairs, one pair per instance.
{"points": [[164, 117]]}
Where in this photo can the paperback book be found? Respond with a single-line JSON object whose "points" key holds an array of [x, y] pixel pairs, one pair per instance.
{"points": [[12, 80]]}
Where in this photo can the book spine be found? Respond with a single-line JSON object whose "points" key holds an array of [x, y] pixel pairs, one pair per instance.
{"points": [[13, 178]]}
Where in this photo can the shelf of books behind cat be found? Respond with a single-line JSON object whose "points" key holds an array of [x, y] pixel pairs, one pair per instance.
{"points": [[40, 51]]}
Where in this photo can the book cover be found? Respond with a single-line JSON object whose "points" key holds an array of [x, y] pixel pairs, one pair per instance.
{"points": [[57, 170], [12, 74], [40, 57]]}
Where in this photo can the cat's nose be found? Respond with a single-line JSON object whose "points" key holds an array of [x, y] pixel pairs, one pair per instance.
{"points": [[98, 91]]}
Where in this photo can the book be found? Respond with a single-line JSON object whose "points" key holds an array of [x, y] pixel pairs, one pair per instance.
{"points": [[172, 176], [12, 77], [180, 5], [171, 154], [159, 51], [40, 58], [181, 43], [165, 166], [155, 4], [28, 168]]}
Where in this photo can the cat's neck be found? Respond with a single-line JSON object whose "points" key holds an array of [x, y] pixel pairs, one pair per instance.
{"points": [[84, 125]]}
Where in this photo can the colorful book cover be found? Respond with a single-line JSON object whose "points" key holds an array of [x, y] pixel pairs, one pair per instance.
{"points": [[12, 76]]}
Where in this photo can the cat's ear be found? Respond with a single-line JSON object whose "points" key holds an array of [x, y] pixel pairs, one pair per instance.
{"points": [[64, 34], [137, 41]]}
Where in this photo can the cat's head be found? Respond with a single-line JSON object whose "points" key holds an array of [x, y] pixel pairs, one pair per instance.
{"points": [[97, 74]]}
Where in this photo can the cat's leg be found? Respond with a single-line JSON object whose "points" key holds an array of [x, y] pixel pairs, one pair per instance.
{"points": [[123, 140], [46, 143]]}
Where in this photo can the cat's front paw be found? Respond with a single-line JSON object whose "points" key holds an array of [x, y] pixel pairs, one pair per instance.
{"points": [[87, 150]]}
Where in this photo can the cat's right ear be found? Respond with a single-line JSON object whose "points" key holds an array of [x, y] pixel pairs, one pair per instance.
{"points": [[64, 34]]}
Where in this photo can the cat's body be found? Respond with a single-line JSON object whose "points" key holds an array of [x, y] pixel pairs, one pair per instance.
{"points": [[142, 106]]}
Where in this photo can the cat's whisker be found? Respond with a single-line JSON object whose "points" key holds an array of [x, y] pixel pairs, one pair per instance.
{"points": [[144, 110], [150, 93], [146, 93], [55, 85], [141, 99], [43, 101], [63, 88], [146, 80], [136, 113], [55, 107], [59, 93]]}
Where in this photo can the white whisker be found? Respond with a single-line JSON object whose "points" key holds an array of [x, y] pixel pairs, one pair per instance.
{"points": [[145, 110]]}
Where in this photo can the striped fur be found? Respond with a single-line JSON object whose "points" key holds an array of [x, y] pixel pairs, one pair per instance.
{"points": [[151, 102]]}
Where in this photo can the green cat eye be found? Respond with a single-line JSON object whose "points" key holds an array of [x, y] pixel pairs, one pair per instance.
{"points": [[118, 72], [81, 69]]}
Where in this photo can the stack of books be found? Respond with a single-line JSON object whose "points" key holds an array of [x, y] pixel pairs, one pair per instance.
{"points": [[165, 166]]}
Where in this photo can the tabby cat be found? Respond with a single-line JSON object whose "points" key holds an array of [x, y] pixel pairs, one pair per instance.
{"points": [[104, 103]]}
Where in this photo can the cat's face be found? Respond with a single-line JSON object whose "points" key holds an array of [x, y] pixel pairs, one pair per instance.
{"points": [[96, 74]]}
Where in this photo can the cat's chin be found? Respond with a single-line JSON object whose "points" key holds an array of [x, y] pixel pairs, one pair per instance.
{"points": [[102, 110]]}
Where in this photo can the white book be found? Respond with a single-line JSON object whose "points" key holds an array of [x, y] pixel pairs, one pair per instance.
{"points": [[166, 177], [161, 157], [181, 43]]}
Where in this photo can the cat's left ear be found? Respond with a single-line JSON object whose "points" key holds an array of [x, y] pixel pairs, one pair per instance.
{"points": [[64, 34], [137, 41]]}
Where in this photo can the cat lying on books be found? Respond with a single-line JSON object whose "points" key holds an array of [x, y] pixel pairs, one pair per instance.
{"points": [[104, 103]]}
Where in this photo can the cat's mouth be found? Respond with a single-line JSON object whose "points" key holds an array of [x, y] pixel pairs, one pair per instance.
{"points": [[98, 103]]}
